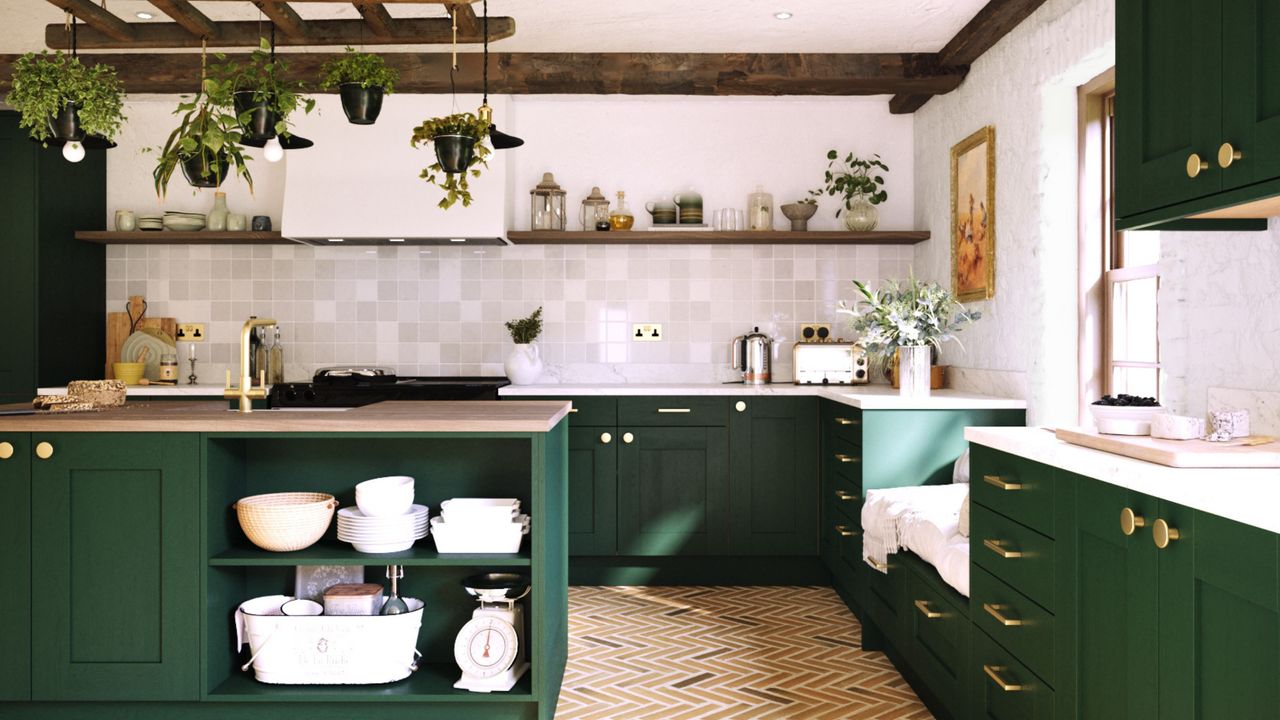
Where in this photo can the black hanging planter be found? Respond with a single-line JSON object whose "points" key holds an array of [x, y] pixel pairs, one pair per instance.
{"points": [[454, 152], [65, 125], [261, 125], [361, 104], [205, 169]]}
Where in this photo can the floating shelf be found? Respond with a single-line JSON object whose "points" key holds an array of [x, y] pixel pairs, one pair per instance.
{"points": [[330, 552], [433, 682], [170, 237], [716, 237]]}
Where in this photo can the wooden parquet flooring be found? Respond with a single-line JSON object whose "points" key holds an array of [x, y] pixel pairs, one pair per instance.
{"points": [[713, 653]]}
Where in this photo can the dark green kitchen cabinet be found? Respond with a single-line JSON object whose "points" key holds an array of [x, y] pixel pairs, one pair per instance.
{"points": [[673, 490], [773, 485], [593, 490], [116, 548], [51, 285], [1250, 92], [15, 568]]}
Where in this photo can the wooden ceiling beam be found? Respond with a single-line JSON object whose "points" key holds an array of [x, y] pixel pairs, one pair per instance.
{"points": [[376, 2], [466, 18], [246, 33], [377, 18], [97, 18], [285, 18], [186, 15]]}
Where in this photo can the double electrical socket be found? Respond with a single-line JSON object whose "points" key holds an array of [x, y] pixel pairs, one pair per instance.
{"points": [[190, 332], [646, 332]]}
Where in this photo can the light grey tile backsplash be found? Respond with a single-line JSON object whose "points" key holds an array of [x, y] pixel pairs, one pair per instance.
{"points": [[440, 311]]}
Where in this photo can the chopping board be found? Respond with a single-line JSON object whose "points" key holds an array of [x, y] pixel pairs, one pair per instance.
{"points": [[119, 328], [1176, 453]]}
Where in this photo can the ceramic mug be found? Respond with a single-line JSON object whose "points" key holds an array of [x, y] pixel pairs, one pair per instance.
{"points": [[237, 223], [663, 212], [126, 221], [261, 223]]}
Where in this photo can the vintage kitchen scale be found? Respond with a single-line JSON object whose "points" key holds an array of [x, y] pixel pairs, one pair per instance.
{"points": [[490, 648]]}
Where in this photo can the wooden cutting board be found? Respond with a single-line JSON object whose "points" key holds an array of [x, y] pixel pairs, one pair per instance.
{"points": [[118, 329], [1176, 453]]}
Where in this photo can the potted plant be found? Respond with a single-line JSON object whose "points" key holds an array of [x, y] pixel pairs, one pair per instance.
{"points": [[459, 148], [361, 79], [524, 364], [908, 320], [799, 213], [60, 97], [263, 99], [206, 142], [858, 188]]}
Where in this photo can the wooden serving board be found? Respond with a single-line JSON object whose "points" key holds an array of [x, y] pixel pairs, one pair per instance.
{"points": [[118, 330], [1176, 453]]}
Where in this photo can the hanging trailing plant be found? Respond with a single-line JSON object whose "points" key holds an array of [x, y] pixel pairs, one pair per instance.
{"points": [[261, 94], [206, 143], [361, 80], [45, 83], [460, 148]]}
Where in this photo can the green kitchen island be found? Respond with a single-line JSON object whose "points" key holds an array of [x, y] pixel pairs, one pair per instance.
{"points": [[123, 560]]}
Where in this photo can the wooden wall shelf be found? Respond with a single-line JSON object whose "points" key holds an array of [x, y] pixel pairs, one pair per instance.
{"points": [[169, 237], [715, 237]]}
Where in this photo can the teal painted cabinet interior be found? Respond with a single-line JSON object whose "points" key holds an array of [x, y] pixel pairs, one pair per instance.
{"points": [[15, 567], [773, 485], [51, 285], [117, 544], [593, 490], [673, 487]]}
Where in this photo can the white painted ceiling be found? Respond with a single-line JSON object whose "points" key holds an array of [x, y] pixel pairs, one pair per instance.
{"points": [[826, 26]]}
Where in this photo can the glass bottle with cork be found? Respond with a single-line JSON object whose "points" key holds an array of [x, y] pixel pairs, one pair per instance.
{"points": [[620, 218]]}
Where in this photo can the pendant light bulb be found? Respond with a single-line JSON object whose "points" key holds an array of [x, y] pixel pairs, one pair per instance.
{"points": [[73, 151], [273, 151]]}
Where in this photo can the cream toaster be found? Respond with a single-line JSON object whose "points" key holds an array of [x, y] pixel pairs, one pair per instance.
{"points": [[830, 363]]}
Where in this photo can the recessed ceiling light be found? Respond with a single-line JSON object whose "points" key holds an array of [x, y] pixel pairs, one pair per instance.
{"points": [[784, 15], [144, 15]]}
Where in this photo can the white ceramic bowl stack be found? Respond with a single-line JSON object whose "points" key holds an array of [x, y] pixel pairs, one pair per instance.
{"points": [[479, 525], [386, 519]]}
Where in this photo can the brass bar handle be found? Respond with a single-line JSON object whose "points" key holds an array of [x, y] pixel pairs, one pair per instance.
{"points": [[1130, 522], [1195, 165], [1228, 154], [674, 410], [845, 421], [6, 450], [573, 410], [882, 567], [44, 451], [1000, 482], [995, 547], [844, 531], [1162, 534], [923, 607], [993, 672], [628, 438], [994, 611], [846, 458], [606, 438], [842, 495]]}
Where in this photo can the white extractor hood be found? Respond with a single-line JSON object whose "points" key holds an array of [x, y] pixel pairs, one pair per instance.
{"points": [[360, 184]]}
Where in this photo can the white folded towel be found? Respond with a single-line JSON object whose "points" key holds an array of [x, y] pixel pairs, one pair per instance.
{"points": [[889, 515]]}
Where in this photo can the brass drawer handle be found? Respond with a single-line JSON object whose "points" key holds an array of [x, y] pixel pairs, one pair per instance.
{"points": [[994, 611], [997, 481], [844, 531], [1227, 155], [1162, 534], [674, 410], [993, 672], [573, 410], [845, 421], [44, 451], [882, 567], [846, 458], [1129, 522], [1195, 165], [842, 495], [923, 607], [995, 547], [6, 450]]}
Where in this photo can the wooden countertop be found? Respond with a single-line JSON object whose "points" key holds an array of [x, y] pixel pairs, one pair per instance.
{"points": [[214, 417]]}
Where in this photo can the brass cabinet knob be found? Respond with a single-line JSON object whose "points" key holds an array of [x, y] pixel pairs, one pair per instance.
{"points": [[44, 451], [606, 438], [1195, 165], [844, 531], [740, 406], [846, 496], [923, 607], [1162, 534], [6, 450], [1228, 154], [1130, 522], [993, 672], [628, 438]]}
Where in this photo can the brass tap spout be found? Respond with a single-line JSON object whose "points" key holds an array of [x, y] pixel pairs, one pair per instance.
{"points": [[247, 392]]}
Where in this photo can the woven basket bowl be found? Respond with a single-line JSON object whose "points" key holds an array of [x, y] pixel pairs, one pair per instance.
{"points": [[284, 522]]}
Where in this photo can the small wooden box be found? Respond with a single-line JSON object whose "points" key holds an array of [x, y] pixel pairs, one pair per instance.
{"points": [[362, 599]]}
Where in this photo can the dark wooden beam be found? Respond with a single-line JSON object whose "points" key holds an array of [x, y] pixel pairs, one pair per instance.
{"points": [[377, 18], [377, 2], [466, 18], [590, 73], [992, 23], [97, 18], [286, 19], [246, 33], [186, 15]]}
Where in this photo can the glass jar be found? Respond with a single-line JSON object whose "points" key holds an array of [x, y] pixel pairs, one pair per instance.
{"points": [[546, 207], [621, 218], [595, 210], [759, 210], [169, 367]]}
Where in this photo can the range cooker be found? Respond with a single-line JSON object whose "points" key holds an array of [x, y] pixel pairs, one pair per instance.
{"points": [[357, 386]]}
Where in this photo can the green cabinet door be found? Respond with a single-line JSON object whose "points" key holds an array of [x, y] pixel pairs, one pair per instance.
{"points": [[1219, 645], [116, 542], [773, 476], [1168, 101], [1250, 91], [15, 568], [673, 491], [593, 490], [18, 270]]}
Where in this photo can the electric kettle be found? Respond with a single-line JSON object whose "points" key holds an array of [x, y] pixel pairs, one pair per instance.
{"points": [[751, 354]]}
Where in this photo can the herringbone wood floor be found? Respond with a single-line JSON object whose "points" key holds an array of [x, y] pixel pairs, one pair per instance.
{"points": [[708, 653]]}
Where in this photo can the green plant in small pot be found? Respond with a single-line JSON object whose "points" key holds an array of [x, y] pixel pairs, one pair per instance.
{"points": [[262, 96], [59, 97], [361, 79], [206, 143], [459, 146], [859, 186]]}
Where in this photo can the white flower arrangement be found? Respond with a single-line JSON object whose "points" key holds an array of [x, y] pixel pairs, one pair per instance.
{"points": [[906, 313]]}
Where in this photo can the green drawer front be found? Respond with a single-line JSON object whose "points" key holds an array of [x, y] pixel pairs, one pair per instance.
{"points": [[885, 595], [937, 635], [587, 411], [673, 411], [1001, 688], [843, 422], [1013, 620], [844, 460], [1021, 557], [848, 547], [845, 499], [1016, 487]]}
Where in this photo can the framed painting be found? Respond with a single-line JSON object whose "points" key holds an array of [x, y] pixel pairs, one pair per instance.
{"points": [[973, 216]]}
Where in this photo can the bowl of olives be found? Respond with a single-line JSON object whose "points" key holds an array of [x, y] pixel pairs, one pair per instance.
{"points": [[1125, 414]]}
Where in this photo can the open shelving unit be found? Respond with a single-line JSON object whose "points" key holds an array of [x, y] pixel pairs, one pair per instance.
{"points": [[716, 237], [173, 237], [333, 552]]}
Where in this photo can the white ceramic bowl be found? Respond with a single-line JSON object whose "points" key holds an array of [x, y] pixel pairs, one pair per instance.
{"points": [[1124, 420], [385, 496], [300, 607]]}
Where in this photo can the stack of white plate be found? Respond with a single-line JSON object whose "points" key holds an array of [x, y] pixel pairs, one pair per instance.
{"points": [[150, 222], [183, 221], [479, 525], [383, 534]]}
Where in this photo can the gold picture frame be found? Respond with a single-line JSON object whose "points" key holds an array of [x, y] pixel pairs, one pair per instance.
{"points": [[973, 216]]}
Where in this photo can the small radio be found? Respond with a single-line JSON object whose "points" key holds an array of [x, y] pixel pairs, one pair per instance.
{"points": [[830, 363]]}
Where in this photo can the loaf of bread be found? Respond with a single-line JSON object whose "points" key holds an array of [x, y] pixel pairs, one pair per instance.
{"points": [[73, 407], [44, 402], [101, 393]]}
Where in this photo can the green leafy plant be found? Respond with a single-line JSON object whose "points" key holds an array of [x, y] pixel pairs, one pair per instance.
{"points": [[365, 69], [906, 313], [454, 184], [853, 177], [526, 330], [265, 76], [208, 127], [44, 82]]}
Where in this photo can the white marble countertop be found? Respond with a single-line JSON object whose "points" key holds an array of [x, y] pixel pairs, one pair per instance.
{"points": [[184, 391], [1249, 496], [866, 397]]}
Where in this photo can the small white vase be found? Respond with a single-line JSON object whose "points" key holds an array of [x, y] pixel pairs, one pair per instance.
{"points": [[524, 364], [913, 370], [216, 220]]}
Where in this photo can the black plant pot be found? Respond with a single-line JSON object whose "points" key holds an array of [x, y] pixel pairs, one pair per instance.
{"points": [[261, 125], [361, 104], [65, 125], [454, 152], [206, 170]]}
